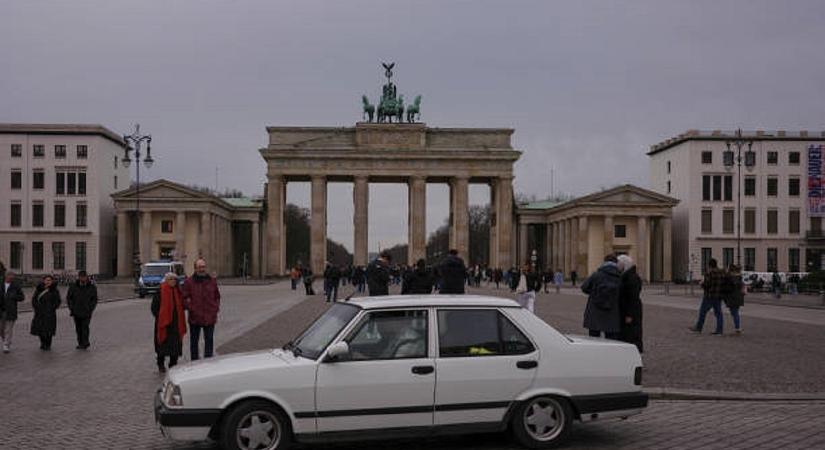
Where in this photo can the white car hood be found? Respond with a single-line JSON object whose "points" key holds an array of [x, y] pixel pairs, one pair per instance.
{"points": [[233, 363]]}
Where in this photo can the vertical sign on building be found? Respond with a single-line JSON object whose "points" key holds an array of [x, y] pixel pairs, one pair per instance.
{"points": [[816, 181]]}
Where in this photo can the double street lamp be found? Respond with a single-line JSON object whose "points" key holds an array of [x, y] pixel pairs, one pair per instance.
{"points": [[133, 142], [729, 160]]}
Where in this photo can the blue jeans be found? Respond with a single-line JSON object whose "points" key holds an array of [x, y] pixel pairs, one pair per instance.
{"points": [[332, 292], [737, 321], [707, 305], [195, 337]]}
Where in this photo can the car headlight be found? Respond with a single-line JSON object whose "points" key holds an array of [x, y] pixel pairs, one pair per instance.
{"points": [[171, 394]]}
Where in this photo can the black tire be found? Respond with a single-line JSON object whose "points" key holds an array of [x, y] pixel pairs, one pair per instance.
{"points": [[542, 435], [242, 415]]}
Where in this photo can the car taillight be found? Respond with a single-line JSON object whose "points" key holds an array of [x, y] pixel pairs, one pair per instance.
{"points": [[637, 376]]}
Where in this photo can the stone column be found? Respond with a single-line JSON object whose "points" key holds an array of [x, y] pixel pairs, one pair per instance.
{"points": [[493, 261], [504, 220], [275, 228], [146, 237], [547, 258], [608, 235], [523, 251], [180, 236], [318, 225], [574, 244], [124, 247], [360, 218], [565, 251], [255, 263], [583, 241], [667, 249], [556, 241], [417, 219], [205, 238], [641, 247], [459, 231]]}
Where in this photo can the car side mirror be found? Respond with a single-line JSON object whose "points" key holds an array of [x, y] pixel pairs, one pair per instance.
{"points": [[337, 352]]}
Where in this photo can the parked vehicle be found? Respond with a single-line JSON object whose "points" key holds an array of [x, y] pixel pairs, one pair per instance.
{"points": [[151, 275], [405, 366]]}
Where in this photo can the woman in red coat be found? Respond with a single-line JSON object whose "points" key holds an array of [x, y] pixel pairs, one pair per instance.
{"points": [[170, 322]]}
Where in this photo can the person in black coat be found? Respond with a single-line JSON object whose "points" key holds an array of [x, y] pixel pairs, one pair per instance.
{"points": [[453, 273], [602, 315], [45, 301], [419, 280], [630, 303], [378, 275], [82, 300], [10, 295]]}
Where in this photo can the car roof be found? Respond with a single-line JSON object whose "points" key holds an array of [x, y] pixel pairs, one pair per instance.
{"points": [[407, 301], [162, 263]]}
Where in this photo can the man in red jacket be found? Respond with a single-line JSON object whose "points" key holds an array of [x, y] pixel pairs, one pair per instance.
{"points": [[202, 299]]}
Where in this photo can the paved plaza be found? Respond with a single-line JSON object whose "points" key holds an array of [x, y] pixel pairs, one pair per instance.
{"points": [[103, 398]]}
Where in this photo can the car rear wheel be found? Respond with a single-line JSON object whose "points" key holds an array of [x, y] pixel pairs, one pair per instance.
{"points": [[542, 422], [255, 425]]}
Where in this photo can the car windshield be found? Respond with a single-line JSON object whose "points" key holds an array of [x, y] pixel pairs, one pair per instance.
{"points": [[317, 337], [155, 270]]}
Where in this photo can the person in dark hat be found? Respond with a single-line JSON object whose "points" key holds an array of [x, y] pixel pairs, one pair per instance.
{"points": [[378, 275], [82, 300]]}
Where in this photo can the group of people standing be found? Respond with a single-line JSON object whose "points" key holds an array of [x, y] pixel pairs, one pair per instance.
{"points": [[720, 286], [614, 305]]}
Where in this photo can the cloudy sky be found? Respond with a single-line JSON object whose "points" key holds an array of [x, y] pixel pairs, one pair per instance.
{"points": [[588, 85]]}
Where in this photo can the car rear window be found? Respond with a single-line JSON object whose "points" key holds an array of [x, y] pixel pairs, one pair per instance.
{"points": [[479, 332]]}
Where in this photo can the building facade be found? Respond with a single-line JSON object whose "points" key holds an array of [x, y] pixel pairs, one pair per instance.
{"points": [[576, 235], [780, 218], [55, 185]]}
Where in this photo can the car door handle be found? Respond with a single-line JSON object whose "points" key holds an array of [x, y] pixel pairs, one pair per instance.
{"points": [[527, 364], [423, 370]]}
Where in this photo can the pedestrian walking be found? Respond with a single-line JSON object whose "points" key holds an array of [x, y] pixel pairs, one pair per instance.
{"points": [[547, 279], [528, 284], [776, 285], [602, 315], [497, 276], [574, 276], [378, 275], [332, 278], [82, 300], [170, 322], [452, 272], [735, 295], [419, 280], [45, 301], [294, 276], [712, 285], [630, 302], [202, 298], [558, 280], [308, 278], [10, 296]]}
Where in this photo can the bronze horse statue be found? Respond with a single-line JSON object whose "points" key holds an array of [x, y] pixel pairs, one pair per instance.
{"points": [[389, 108], [369, 109], [414, 109]]}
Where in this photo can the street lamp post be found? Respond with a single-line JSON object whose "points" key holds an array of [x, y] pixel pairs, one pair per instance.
{"points": [[750, 161], [133, 142]]}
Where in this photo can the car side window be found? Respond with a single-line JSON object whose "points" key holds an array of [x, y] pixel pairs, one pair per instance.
{"points": [[479, 332], [396, 334]]}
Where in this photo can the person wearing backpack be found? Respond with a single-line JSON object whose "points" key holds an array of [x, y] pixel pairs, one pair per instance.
{"points": [[735, 295], [602, 315]]}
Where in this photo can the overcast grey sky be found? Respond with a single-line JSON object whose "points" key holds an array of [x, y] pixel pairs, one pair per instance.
{"points": [[588, 85]]}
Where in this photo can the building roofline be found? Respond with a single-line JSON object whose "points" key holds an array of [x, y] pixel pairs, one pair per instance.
{"points": [[726, 135], [62, 129]]}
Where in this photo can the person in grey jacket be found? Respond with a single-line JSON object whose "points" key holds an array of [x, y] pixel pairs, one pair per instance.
{"points": [[10, 295], [602, 315]]}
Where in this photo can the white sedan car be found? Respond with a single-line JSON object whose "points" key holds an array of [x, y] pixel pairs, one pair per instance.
{"points": [[387, 367]]}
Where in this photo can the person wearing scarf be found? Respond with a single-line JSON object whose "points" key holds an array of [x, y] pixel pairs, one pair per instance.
{"points": [[45, 301], [170, 322]]}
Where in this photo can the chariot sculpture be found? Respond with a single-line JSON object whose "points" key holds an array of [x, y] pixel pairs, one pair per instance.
{"points": [[391, 104]]}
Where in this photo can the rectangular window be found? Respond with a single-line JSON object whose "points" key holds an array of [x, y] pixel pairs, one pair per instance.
{"points": [[38, 179], [773, 158], [16, 150], [16, 215], [81, 183], [793, 260], [816, 224], [706, 188], [71, 183], [37, 255], [707, 221], [750, 186], [16, 255], [166, 226], [707, 158], [115, 182], [717, 188], [773, 221], [60, 183], [793, 158], [82, 152], [728, 188], [773, 186], [60, 152], [793, 221], [39, 151], [750, 221], [707, 255], [479, 333], [793, 187], [383, 335], [80, 214], [37, 214], [750, 259], [16, 179], [727, 221], [668, 187], [727, 257], [60, 215], [80, 256], [772, 260], [668, 167], [619, 231], [59, 255]]}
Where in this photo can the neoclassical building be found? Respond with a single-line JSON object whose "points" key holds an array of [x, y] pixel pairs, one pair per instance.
{"points": [[577, 234]]}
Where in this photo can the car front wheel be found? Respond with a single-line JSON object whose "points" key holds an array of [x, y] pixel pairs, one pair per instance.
{"points": [[542, 422], [255, 425]]}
